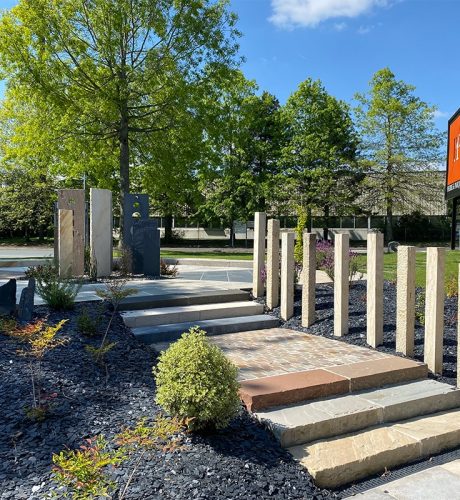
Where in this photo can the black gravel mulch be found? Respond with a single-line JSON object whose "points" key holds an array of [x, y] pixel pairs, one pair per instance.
{"points": [[324, 324], [243, 461]]}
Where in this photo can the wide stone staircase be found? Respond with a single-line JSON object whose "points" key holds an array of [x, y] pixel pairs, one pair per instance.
{"points": [[359, 433], [157, 319]]}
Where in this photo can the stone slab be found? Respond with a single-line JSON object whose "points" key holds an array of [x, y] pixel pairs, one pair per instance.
{"points": [[8, 298], [66, 244], [336, 462], [26, 302], [180, 314], [380, 372], [74, 199], [101, 230], [434, 483], [266, 392], [140, 301], [306, 422], [339, 461], [169, 333]]}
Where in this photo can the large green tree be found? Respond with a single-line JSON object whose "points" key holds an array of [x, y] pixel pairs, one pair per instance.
{"points": [[116, 69], [400, 146], [245, 145], [319, 158]]}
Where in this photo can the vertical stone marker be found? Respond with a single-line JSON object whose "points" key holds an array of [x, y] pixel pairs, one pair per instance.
{"points": [[405, 301], [74, 199], [434, 308], [100, 230], [287, 275], [341, 284], [375, 289], [458, 331], [65, 242], [273, 263], [260, 222], [309, 279]]}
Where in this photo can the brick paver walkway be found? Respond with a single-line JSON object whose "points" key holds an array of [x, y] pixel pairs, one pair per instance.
{"points": [[264, 353]]}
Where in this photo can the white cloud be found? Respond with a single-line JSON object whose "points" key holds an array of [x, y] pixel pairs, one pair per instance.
{"points": [[364, 30], [340, 26], [441, 114], [309, 13]]}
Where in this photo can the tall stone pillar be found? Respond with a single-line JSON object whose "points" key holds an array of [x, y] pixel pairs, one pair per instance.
{"points": [[74, 199], [341, 284], [434, 308], [309, 279], [273, 263], [101, 230], [66, 243], [405, 301], [375, 289], [260, 221], [287, 275]]}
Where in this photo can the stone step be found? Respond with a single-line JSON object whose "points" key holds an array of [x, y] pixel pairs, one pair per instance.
{"points": [[293, 425], [339, 461], [172, 332], [267, 392], [192, 313], [137, 302]]}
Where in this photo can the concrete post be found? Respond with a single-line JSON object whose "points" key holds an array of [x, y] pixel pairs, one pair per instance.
{"points": [[273, 263], [375, 289], [308, 279], [458, 331], [65, 243], [260, 220], [405, 302], [287, 275], [341, 284], [434, 308]]}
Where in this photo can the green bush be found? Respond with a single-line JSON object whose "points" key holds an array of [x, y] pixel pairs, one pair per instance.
{"points": [[57, 292], [197, 383]]}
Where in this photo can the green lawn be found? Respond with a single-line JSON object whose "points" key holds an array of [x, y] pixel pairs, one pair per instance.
{"points": [[390, 260]]}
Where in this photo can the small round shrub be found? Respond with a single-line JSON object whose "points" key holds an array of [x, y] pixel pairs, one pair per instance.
{"points": [[197, 383]]}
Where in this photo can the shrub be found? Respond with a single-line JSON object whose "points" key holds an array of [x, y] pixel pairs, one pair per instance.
{"points": [[325, 260], [167, 269], [302, 219], [88, 325], [57, 292], [197, 383]]}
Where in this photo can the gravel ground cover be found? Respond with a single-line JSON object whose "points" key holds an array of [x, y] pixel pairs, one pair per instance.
{"points": [[324, 324], [243, 461]]}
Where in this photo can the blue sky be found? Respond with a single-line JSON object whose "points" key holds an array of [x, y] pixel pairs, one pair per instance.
{"points": [[343, 42]]}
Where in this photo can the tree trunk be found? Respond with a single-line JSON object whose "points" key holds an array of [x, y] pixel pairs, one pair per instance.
{"points": [[124, 164], [168, 228], [389, 224], [326, 226]]}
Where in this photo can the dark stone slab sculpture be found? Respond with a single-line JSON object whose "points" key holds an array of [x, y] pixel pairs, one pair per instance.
{"points": [[8, 298], [26, 302], [141, 235], [146, 248]]}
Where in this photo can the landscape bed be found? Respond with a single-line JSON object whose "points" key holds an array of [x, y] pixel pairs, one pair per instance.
{"points": [[242, 461]]}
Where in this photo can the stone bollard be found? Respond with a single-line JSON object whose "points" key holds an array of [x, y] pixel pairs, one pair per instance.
{"points": [[309, 279], [405, 301], [434, 308], [273, 263], [287, 275], [260, 220], [65, 243], [458, 331], [375, 289], [341, 284]]}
